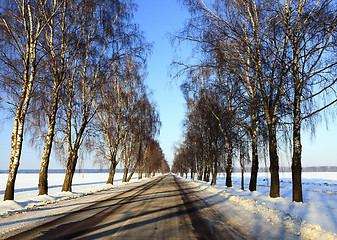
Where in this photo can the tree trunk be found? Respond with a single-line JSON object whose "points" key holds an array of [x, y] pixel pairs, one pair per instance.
{"points": [[274, 163], [16, 148], [125, 173], [229, 173], [126, 169], [242, 179], [43, 177], [255, 159], [131, 174], [71, 167], [72, 159], [214, 172], [73, 152], [192, 174], [242, 165], [113, 163], [200, 172], [127, 159], [229, 167], [139, 159], [205, 179], [296, 166], [111, 173], [214, 175], [26, 48], [17, 134], [21, 111], [140, 172]]}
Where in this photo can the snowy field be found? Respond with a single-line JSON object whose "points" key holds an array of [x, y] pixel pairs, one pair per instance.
{"points": [[316, 218], [26, 188]]}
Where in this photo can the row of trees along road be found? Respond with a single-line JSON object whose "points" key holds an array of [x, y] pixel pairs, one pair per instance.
{"points": [[72, 78], [262, 71]]}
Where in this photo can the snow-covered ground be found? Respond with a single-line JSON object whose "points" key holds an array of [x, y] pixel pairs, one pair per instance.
{"points": [[316, 218], [26, 188], [29, 210]]}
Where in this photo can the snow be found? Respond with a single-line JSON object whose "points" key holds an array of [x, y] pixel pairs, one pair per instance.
{"points": [[26, 191], [30, 210], [316, 218]]}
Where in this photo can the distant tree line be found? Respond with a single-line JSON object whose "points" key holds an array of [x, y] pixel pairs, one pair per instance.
{"points": [[72, 79], [304, 169], [320, 169], [262, 71]]}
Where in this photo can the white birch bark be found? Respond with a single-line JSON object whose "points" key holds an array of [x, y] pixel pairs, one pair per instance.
{"points": [[32, 30]]}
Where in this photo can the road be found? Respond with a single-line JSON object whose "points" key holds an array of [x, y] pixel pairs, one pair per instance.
{"points": [[163, 208]]}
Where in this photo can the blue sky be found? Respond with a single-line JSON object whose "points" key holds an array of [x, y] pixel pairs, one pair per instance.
{"points": [[158, 18]]}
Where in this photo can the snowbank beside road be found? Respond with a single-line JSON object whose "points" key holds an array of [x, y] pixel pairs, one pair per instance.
{"points": [[316, 218], [26, 190], [30, 210]]}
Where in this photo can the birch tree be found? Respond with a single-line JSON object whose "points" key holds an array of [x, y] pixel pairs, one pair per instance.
{"points": [[97, 25], [147, 126], [57, 45], [153, 158], [283, 53], [22, 25], [240, 30], [110, 120], [309, 26]]}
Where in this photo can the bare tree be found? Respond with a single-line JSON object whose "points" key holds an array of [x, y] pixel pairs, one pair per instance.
{"points": [[165, 168], [282, 53], [205, 140], [125, 117], [57, 45], [110, 118], [153, 158], [147, 127], [239, 30], [22, 25], [309, 26], [97, 24]]}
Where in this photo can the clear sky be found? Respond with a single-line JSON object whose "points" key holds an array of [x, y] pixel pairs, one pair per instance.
{"points": [[158, 18]]}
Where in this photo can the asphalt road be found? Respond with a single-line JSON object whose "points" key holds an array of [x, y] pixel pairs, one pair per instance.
{"points": [[163, 208]]}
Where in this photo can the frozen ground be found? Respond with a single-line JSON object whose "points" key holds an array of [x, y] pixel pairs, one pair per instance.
{"points": [[316, 218]]}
